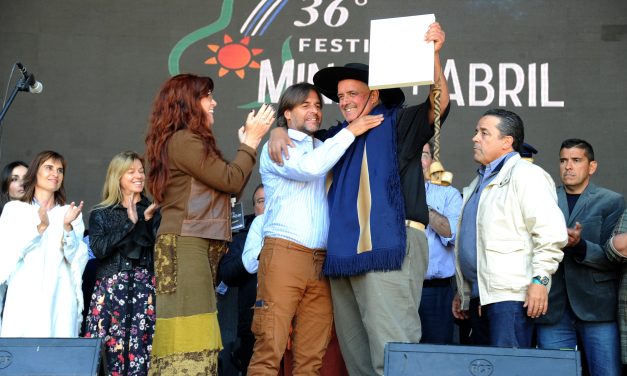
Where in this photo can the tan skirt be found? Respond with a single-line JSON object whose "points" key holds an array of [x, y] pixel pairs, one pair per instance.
{"points": [[187, 336]]}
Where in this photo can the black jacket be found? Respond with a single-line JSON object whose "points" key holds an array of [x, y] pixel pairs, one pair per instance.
{"points": [[119, 244], [231, 269]]}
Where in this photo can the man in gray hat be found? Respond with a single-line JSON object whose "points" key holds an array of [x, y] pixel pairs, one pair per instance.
{"points": [[377, 251]]}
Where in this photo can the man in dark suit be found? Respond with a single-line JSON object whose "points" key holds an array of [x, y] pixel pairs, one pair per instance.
{"points": [[582, 299]]}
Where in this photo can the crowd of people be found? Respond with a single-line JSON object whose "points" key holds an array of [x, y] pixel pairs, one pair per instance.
{"points": [[355, 241]]}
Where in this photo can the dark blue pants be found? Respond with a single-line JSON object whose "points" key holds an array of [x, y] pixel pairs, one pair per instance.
{"points": [[435, 313]]}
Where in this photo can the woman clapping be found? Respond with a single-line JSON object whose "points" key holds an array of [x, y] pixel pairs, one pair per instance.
{"points": [[193, 184], [122, 236], [43, 256]]}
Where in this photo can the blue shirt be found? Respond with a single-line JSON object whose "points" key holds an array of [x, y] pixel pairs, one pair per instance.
{"points": [[468, 228], [89, 251], [296, 207], [446, 201]]}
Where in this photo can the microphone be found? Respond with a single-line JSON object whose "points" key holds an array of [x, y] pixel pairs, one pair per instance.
{"points": [[34, 86]]}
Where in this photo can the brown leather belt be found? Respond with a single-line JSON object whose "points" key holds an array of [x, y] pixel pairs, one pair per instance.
{"points": [[414, 224]]}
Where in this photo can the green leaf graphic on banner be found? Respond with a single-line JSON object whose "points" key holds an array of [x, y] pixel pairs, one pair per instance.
{"points": [[220, 24], [286, 53]]}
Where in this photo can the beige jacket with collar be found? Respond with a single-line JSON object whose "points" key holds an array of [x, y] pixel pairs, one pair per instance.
{"points": [[520, 233]]}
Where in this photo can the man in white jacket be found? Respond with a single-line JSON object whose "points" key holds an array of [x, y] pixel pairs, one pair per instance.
{"points": [[510, 236]]}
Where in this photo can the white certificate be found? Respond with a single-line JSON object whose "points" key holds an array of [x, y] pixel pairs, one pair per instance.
{"points": [[399, 55]]}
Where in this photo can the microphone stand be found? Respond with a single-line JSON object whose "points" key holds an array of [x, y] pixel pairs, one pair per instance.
{"points": [[21, 85]]}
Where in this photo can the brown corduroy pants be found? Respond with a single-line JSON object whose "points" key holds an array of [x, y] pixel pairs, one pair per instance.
{"points": [[291, 288]]}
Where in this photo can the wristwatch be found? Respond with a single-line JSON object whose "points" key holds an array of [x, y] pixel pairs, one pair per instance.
{"points": [[540, 280]]}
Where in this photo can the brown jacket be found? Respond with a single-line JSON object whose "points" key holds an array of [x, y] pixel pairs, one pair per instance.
{"points": [[197, 197]]}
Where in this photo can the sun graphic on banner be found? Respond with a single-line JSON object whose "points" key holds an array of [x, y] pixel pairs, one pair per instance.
{"points": [[234, 56]]}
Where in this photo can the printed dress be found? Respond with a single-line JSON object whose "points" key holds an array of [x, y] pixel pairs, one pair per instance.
{"points": [[122, 309]]}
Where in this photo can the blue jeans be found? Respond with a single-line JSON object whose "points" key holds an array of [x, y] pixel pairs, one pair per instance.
{"points": [[435, 314], [600, 341], [509, 324]]}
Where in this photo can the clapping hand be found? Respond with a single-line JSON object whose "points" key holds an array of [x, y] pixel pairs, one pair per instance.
{"points": [[256, 126], [43, 217], [131, 210], [574, 235], [71, 214], [150, 211]]}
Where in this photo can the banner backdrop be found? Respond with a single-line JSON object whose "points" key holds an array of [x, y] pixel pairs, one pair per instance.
{"points": [[561, 65]]}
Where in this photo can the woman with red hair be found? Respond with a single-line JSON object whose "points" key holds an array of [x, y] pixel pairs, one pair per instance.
{"points": [[193, 184]]}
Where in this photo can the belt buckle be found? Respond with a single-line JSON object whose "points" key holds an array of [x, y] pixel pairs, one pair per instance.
{"points": [[414, 224]]}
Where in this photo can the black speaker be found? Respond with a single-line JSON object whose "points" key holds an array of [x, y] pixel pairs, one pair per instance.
{"points": [[409, 359], [50, 356]]}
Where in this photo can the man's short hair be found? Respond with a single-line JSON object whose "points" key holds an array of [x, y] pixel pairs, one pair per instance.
{"points": [[579, 144], [292, 97], [510, 124], [260, 186]]}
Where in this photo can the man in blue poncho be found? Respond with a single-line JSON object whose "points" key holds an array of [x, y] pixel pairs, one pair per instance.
{"points": [[377, 251]]}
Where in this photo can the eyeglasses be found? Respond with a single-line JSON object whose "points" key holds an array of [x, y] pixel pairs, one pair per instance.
{"points": [[210, 95], [260, 201]]}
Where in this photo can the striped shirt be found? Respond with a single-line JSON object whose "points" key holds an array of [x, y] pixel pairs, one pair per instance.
{"points": [[296, 199]]}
